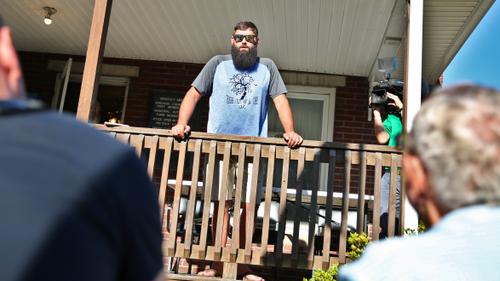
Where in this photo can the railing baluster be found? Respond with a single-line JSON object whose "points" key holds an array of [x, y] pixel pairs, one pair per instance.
{"points": [[313, 213], [298, 203], [209, 179], [360, 226], [190, 212], [402, 199], [166, 145], [268, 197], [327, 230], [345, 207], [151, 142], [137, 141], [282, 208], [392, 196], [376, 196], [222, 201], [177, 198], [253, 192], [124, 138], [235, 240]]}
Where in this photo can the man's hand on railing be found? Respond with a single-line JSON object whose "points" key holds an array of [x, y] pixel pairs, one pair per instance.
{"points": [[181, 131], [293, 139]]}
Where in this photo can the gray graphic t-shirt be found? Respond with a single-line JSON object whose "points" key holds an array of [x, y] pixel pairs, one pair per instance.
{"points": [[239, 98]]}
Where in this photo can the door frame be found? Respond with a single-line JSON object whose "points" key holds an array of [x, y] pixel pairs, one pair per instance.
{"points": [[327, 95], [104, 80]]}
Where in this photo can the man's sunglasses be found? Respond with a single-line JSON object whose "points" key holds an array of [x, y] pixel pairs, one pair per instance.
{"points": [[250, 38]]}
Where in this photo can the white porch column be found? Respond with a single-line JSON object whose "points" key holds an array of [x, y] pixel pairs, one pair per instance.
{"points": [[413, 82]]}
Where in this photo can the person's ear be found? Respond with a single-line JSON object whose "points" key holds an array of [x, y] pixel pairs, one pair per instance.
{"points": [[420, 191], [416, 179], [10, 67]]}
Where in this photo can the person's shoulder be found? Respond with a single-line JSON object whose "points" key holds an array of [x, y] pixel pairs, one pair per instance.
{"points": [[384, 260], [267, 62], [220, 58], [73, 128], [76, 140]]}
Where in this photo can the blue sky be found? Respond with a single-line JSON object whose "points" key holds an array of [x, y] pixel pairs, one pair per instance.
{"points": [[479, 58]]}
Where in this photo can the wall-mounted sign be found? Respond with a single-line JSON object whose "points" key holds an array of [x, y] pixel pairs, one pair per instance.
{"points": [[165, 110]]}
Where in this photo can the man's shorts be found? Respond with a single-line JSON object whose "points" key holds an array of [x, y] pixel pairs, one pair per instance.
{"points": [[231, 181], [385, 185]]}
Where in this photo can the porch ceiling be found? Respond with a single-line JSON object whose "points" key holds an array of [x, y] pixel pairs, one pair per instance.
{"points": [[325, 36]]}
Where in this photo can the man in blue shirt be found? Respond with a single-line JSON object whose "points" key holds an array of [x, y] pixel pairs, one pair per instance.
{"points": [[239, 86], [452, 173]]}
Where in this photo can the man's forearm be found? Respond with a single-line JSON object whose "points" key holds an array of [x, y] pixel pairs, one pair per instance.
{"points": [[284, 113], [381, 135], [188, 105]]}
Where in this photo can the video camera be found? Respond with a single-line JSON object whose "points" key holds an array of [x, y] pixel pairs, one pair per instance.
{"points": [[379, 92]]}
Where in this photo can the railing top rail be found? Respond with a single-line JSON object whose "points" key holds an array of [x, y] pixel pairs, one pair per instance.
{"points": [[250, 139]]}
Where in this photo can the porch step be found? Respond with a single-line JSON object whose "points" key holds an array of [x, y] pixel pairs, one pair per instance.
{"points": [[189, 277]]}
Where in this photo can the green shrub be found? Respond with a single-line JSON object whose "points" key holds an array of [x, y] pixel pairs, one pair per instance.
{"points": [[357, 243], [410, 231], [322, 275], [421, 229]]}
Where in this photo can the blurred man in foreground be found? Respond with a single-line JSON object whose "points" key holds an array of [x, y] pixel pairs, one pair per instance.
{"points": [[452, 173], [74, 203]]}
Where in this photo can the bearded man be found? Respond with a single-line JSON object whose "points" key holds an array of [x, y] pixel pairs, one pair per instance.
{"points": [[239, 86]]}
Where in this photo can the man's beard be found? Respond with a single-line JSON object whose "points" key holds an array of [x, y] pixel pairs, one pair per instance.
{"points": [[244, 60]]}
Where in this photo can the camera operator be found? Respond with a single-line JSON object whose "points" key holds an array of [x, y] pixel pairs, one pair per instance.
{"points": [[388, 125]]}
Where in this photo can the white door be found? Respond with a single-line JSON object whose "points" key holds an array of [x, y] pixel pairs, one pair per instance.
{"points": [[313, 116]]}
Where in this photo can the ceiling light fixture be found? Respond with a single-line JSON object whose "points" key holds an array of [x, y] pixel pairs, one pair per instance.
{"points": [[49, 11]]}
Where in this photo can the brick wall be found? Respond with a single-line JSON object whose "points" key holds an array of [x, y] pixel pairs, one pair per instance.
{"points": [[152, 75], [351, 123], [351, 111], [156, 75]]}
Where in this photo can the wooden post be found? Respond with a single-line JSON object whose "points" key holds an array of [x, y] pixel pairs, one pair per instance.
{"points": [[95, 51]]}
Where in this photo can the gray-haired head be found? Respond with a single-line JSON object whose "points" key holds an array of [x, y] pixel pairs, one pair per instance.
{"points": [[456, 135]]}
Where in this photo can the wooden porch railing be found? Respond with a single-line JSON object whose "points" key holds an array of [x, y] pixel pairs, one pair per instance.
{"points": [[182, 170]]}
